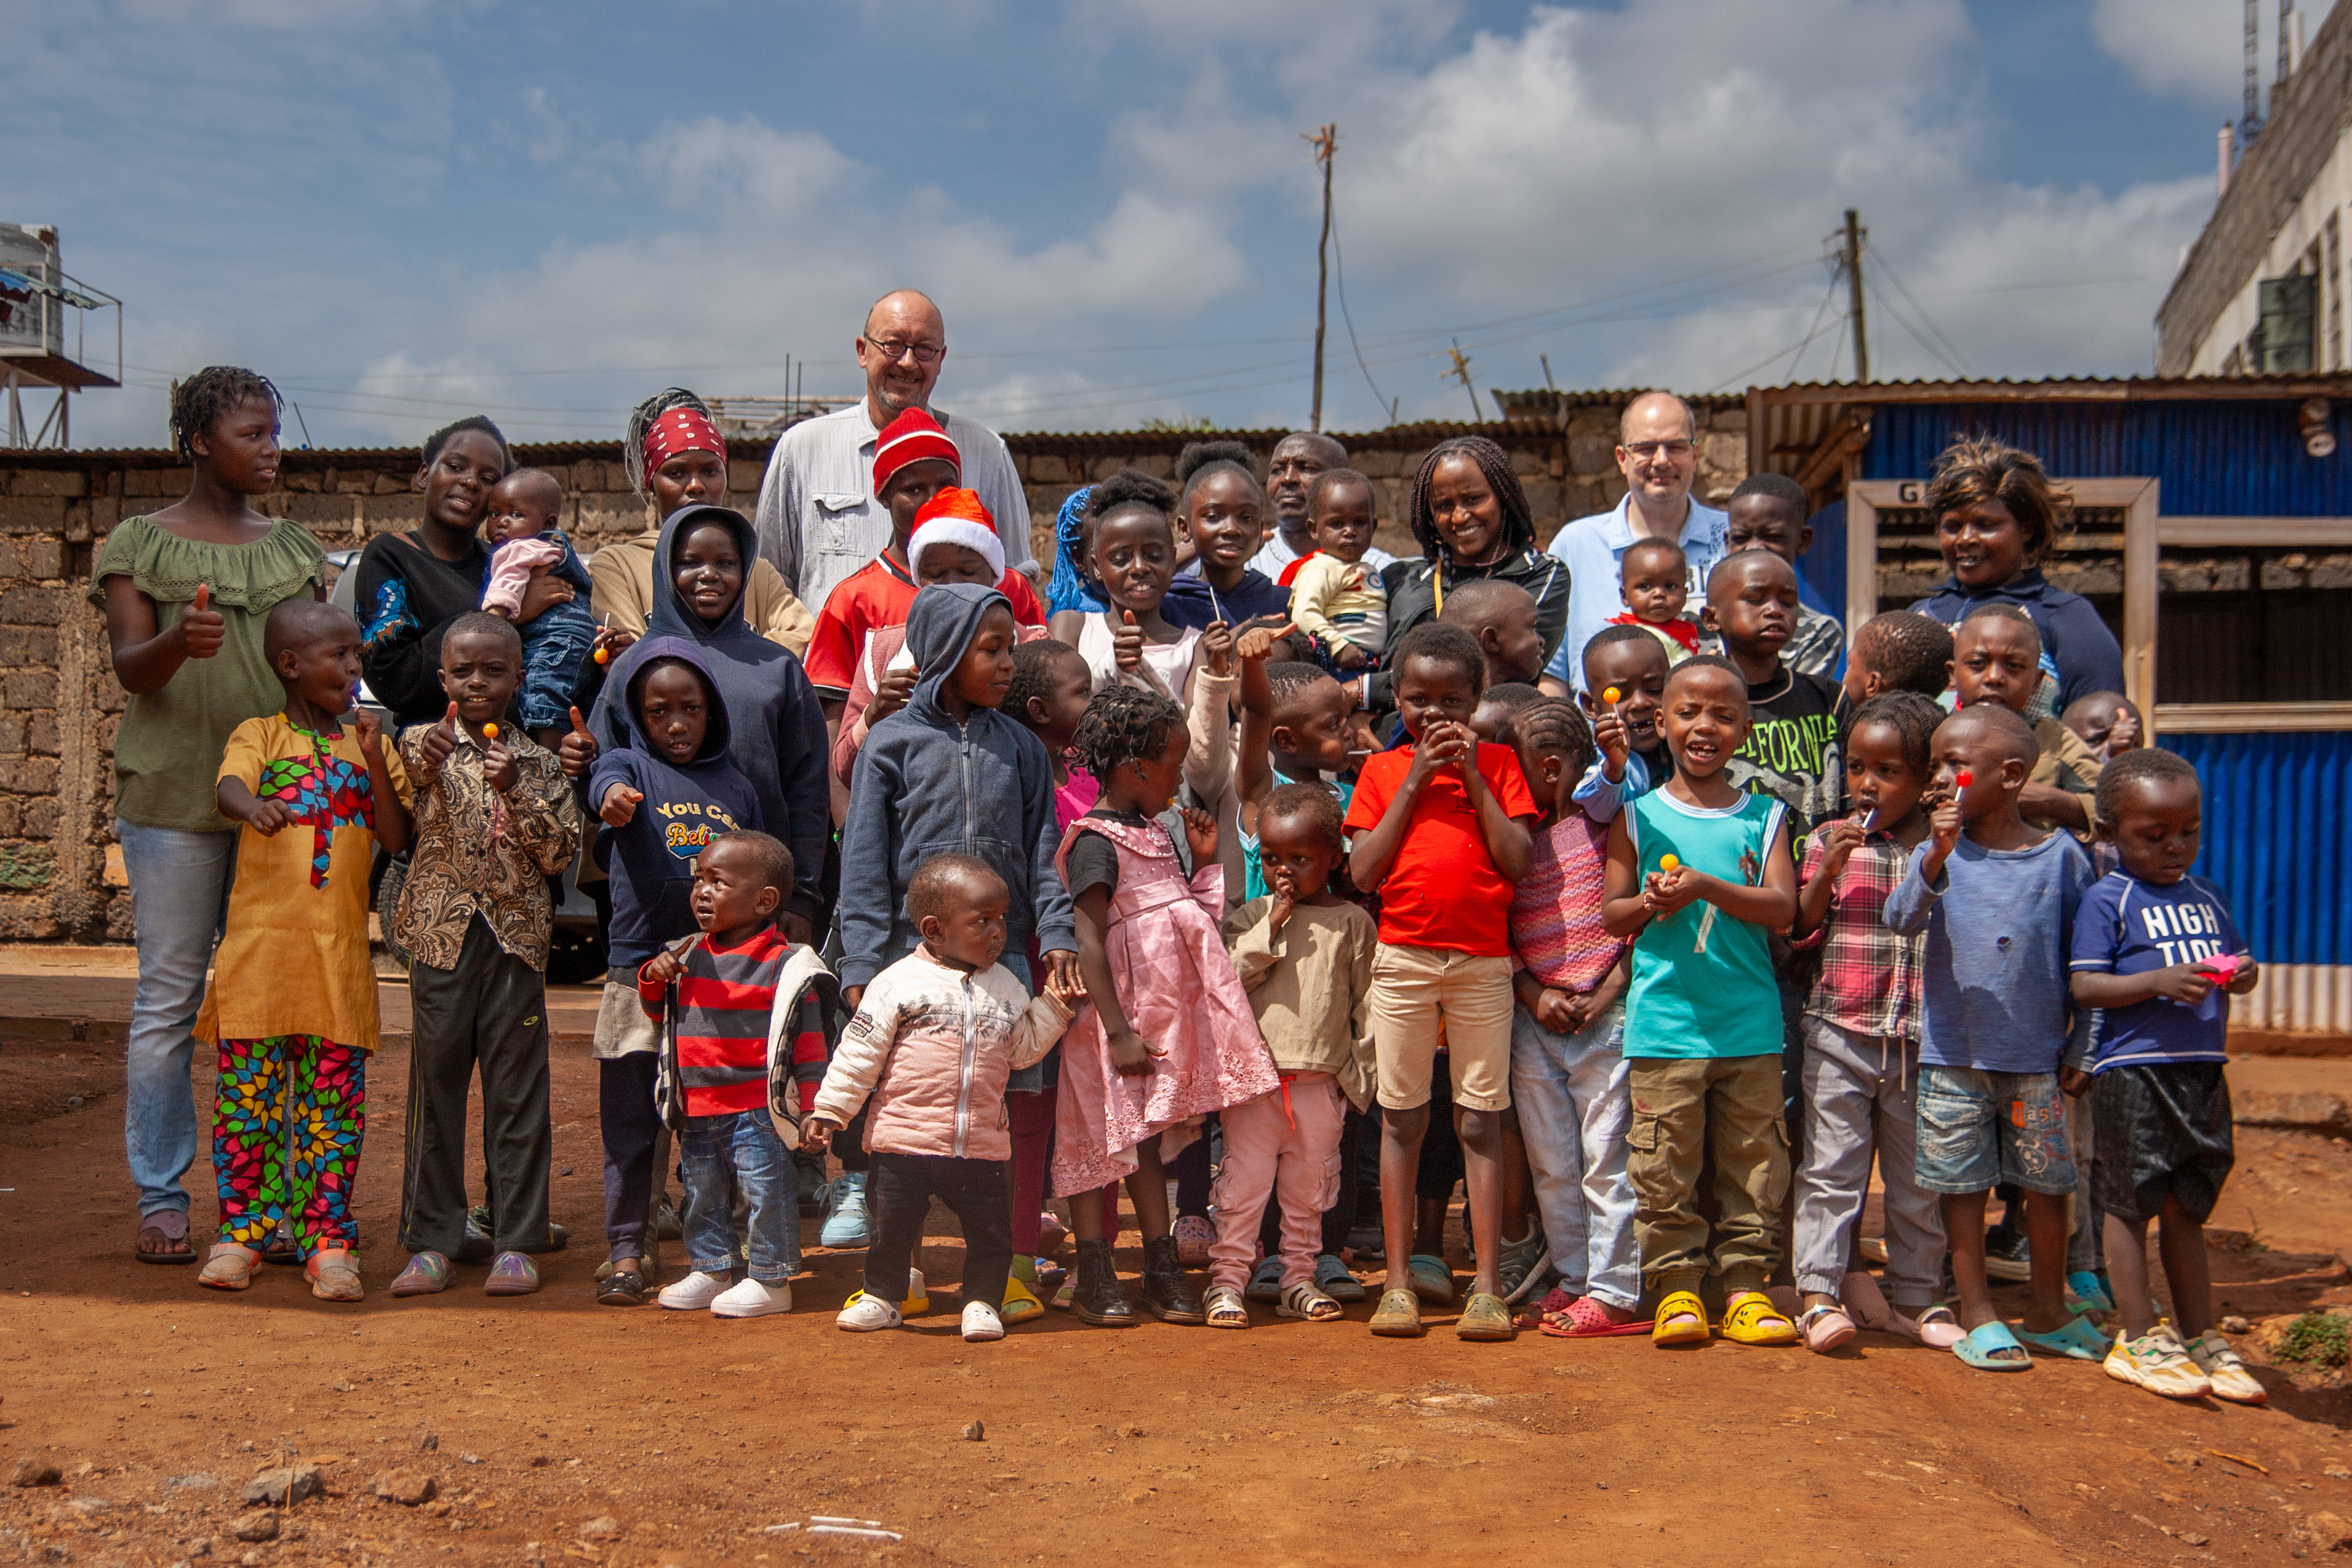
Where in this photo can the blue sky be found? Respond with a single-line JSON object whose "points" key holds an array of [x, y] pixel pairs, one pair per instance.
{"points": [[404, 210]]}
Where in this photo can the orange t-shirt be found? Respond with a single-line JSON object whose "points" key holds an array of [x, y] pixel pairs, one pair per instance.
{"points": [[1443, 890]]}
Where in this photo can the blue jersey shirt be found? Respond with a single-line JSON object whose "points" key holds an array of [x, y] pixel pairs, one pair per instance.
{"points": [[2126, 926]]}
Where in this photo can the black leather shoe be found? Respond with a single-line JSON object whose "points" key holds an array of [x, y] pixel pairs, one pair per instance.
{"points": [[1168, 1295], [1097, 1298]]}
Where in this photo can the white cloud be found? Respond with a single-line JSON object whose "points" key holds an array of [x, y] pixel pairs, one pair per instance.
{"points": [[2195, 48]]}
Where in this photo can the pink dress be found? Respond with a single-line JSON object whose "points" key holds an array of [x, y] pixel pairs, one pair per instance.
{"points": [[1179, 992]]}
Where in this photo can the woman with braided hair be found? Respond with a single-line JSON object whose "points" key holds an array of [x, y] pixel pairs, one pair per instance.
{"points": [[1471, 518], [675, 458], [1167, 1034], [186, 590]]}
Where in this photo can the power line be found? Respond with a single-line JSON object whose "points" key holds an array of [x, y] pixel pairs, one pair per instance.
{"points": [[1895, 278]]}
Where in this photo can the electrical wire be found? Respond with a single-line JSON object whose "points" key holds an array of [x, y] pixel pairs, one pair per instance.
{"points": [[1897, 278], [1797, 348], [1935, 352], [1339, 271]]}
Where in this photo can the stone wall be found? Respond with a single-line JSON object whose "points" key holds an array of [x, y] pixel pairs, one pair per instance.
{"points": [[60, 874]]}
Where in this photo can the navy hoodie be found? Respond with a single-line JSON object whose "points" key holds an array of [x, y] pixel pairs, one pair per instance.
{"points": [[775, 728], [926, 785], [651, 860]]}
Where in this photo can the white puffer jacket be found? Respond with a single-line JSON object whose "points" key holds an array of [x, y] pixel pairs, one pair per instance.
{"points": [[934, 1047]]}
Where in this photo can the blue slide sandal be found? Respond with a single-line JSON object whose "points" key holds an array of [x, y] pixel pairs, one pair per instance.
{"points": [[1979, 1347], [2078, 1339]]}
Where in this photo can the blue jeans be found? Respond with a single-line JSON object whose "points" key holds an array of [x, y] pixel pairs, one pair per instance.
{"points": [[719, 1153], [1571, 1093], [179, 893], [554, 646]]}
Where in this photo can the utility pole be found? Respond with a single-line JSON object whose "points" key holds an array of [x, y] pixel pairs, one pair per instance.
{"points": [[1461, 372], [1852, 261], [1325, 141]]}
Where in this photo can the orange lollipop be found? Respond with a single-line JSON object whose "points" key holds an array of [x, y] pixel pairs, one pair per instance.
{"points": [[1669, 862], [1610, 695], [489, 732], [604, 656]]}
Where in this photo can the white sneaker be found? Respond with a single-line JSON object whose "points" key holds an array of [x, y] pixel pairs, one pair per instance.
{"points": [[981, 1322], [693, 1293], [750, 1299], [2158, 1361], [2225, 1369], [864, 1313]]}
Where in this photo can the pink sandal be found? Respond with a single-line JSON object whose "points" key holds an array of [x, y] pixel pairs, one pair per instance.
{"points": [[1826, 1327], [1588, 1319]]}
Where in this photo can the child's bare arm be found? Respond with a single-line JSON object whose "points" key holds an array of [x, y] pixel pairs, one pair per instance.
{"points": [[238, 805], [393, 827], [1623, 912], [1508, 839], [1254, 648], [1771, 904]]}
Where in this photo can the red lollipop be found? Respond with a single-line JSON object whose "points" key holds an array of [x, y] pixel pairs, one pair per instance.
{"points": [[1963, 778]]}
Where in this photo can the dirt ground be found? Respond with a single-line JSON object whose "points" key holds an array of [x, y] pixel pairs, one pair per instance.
{"points": [[567, 1431]]}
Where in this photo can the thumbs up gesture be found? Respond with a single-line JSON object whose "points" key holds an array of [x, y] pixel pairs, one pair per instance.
{"points": [[1126, 644], [202, 627], [439, 740], [577, 751]]}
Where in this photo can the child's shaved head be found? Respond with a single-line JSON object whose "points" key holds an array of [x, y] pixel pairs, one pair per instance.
{"points": [[942, 880], [299, 622], [2001, 726]]}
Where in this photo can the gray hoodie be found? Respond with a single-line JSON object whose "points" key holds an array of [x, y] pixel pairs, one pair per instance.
{"points": [[926, 785]]}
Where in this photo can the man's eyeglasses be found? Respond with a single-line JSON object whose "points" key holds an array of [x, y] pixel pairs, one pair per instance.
{"points": [[890, 349], [1642, 451]]}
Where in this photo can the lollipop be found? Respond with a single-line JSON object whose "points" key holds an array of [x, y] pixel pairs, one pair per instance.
{"points": [[1669, 862], [1610, 696], [604, 656], [2223, 968], [489, 732], [1964, 779]]}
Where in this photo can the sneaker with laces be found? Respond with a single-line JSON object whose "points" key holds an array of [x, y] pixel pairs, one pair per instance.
{"points": [[982, 1323], [2158, 1361], [864, 1313], [750, 1299], [1525, 1262], [693, 1293], [846, 1222], [2225, 1369], [1193, 1234]]}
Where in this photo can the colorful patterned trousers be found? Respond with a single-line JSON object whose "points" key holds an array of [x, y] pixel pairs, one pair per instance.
{"points": [[287, 1126]]}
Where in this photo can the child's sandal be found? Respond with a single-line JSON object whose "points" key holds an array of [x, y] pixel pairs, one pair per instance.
{"points": [[1225, 1308], [1752, 1319], [1825, 1327], [1681, 1319], [229, 1267], [1304, 1301]]}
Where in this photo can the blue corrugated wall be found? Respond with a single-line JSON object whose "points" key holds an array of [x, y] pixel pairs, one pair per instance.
{"points": [[2239, 458], [2278, 838]]}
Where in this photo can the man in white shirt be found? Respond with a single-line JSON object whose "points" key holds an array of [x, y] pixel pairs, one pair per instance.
{"points": [[1657, 451], [817, 519], [1300, 459]]}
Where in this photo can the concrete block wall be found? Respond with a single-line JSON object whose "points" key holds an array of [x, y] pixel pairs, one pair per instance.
{"points": [[60, 872]]}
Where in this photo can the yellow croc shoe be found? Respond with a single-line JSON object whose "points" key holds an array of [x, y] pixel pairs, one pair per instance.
{"points": [[1681, 1320], [1021, 1302], [1751, 1318], [918, 1298]]}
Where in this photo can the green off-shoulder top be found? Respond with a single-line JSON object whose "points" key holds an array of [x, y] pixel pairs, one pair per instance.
{"points": [[168, 752]]}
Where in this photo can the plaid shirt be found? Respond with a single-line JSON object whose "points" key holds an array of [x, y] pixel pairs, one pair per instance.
{"points": [[1870, 977]]}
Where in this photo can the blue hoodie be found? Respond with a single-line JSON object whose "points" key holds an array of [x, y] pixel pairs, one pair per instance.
{"points": [[926, 785], [775, 727], [651, 860]]}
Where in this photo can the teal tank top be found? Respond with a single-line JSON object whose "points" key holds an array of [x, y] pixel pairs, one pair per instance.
{"points": [[1703, 984]]}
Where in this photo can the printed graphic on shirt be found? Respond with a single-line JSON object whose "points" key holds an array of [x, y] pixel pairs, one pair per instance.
{"points": [[689, 826], [1795, 760], [2132, 927]]}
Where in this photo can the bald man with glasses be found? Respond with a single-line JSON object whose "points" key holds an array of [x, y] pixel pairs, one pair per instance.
{"points": [[817, 519], [1657, 451]]}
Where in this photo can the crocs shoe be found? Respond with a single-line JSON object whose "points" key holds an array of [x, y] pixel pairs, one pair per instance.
{"points": [[1265, 1281], [1398, 1316], [1752, 1318], [846, 1222], [1431, 1277], [2087, 1293], [980, 1323], [2158, 1361], [1332, 1277], [1194, 1234], [1681, 1319], [512, 1274], [2225, 1369], [750, 1299], [693, 1293], [2076, 1340], [1485, 1317], [427, 1274]]}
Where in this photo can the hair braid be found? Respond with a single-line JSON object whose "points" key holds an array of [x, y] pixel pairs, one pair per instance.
{"points": [[1494, 466]]}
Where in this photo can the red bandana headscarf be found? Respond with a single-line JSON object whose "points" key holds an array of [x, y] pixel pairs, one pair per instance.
{"points": [[681, 429]]}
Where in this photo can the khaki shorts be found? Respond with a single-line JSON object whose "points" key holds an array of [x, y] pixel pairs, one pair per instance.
{"points": [[1425, 997]]}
